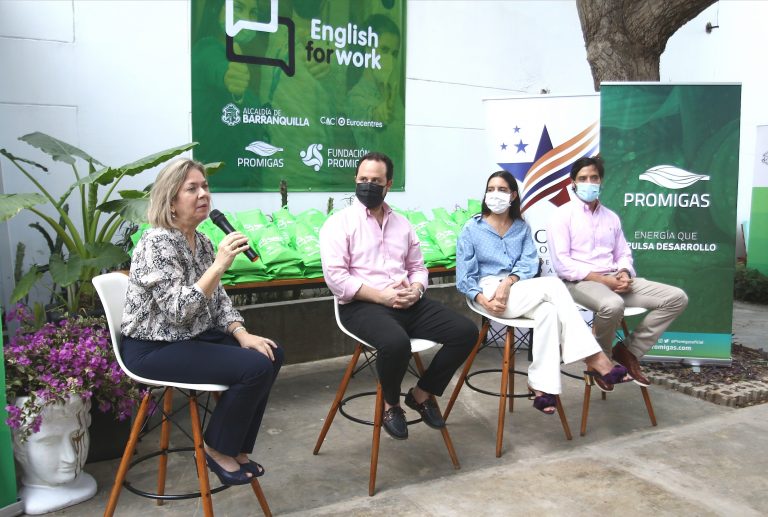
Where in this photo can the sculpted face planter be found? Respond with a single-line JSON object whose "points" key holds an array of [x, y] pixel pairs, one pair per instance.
{"points": [[52, 458]]}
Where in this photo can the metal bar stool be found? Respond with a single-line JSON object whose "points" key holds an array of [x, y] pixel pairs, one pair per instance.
{"points": [[111, 289], [589, 381], [507, 388], [417, 345]]}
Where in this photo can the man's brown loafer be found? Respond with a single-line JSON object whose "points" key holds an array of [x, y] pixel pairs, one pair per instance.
{"points": [[626, 358]]}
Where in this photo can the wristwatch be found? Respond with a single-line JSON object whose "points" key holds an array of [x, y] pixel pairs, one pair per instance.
{"points": [[421, 292]]}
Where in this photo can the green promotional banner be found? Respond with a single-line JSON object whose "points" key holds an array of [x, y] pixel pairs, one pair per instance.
{"points": [[7, 470], [297, 90], [671, 173], [757, 245]]}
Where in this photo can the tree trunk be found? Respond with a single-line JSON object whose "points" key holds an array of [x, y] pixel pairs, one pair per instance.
{"points": [[625, 38]]}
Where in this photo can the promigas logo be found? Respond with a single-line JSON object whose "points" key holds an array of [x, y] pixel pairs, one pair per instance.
{"points": [[230, 115], [264, 151], [670, 177]]}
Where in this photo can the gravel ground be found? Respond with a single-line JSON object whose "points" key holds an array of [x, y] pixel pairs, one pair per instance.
{"points": [[744, 383]]}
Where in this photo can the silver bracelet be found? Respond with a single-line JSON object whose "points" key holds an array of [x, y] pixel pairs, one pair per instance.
{"points": [[238, 329]]}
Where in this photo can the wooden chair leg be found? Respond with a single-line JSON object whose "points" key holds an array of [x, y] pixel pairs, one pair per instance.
{"points": [[260, 496], [563, 420], [585, 406], [339, 396], [648, 405], [377, 418], [646, 395], [202, 470], [165, 436], [465, 371], [444, 430], [122, 470], [503, 394]]}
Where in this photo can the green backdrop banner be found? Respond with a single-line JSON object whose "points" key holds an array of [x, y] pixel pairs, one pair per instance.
{"points": [[297, 90], [7, 469], [671, 157], [757, 245]]}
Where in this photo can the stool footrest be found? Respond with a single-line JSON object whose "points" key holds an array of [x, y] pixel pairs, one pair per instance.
{"points": [[165, 497], [493, 393], [360, 420]]}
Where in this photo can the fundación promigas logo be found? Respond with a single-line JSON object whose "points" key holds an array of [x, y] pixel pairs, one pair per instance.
{"points": [[312, 157], [264, 151], [669, 177], [316, 156]]}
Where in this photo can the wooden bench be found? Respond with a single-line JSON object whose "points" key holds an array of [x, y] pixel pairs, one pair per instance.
{"points": [[308, 283]]}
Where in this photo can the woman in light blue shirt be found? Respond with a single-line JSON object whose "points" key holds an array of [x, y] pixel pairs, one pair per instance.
{"points": [[496, 268]]}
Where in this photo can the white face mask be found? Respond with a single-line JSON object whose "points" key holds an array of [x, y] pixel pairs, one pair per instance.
{"points": [[498, 202]]}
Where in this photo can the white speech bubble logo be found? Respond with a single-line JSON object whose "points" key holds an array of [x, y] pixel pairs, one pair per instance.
{"points": [[233, 27]]}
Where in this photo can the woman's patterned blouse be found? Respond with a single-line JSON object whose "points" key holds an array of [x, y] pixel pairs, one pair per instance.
{"points": [[163, 303]]}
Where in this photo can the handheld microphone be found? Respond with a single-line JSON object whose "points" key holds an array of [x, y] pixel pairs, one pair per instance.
{"points": [[221, 221]]}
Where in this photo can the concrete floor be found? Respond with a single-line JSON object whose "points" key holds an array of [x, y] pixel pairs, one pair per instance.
{"points": [[702, 459]]}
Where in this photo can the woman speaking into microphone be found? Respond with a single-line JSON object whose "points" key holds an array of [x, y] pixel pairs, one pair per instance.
{"points": [[179, 324]]}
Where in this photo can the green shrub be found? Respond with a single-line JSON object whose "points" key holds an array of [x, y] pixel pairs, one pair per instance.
{"points": [[750, 285]]}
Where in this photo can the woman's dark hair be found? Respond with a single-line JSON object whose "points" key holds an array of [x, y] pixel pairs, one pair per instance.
{"points": [[514, 208]]}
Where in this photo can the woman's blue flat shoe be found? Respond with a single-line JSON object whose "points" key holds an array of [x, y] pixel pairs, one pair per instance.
{"points": [[239, 477]]}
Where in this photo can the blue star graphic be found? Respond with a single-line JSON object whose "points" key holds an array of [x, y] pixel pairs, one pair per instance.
{"points": [[503, 146], [521, 146], [517, 129]]}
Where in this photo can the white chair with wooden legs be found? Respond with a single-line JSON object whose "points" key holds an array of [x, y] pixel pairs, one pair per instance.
{"points": [[589, 381], [111, 288], [507, 388], [417, 346]]}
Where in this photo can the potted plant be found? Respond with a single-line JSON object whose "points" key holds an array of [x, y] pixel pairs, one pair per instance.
{"points": [[54, 374], [58, 361], [77, 251]]}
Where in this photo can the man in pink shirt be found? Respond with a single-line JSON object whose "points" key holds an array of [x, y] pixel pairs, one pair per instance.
{"points": [[373, 264], [589, 252]]}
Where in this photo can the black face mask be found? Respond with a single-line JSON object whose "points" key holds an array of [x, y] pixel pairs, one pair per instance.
{"points": [[369, 194]]}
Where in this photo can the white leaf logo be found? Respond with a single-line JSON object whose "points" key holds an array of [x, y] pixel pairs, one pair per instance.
{"points": [[263, 148], [669, 176]]}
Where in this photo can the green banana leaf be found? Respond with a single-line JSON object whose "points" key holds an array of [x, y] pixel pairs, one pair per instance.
{"points": [[25, 283], [107, 175], [12, 204], [56, 149], [65, 273], [132, 209]]}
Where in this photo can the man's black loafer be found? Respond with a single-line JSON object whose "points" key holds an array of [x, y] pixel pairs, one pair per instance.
{"points": [[394, 423], [427, 409]]}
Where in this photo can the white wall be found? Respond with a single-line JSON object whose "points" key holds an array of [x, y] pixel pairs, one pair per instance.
{"points": [[112, 77], [734, 52]]}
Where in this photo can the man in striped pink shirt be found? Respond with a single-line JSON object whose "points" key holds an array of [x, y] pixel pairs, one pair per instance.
{"points": [[373, 264]]}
